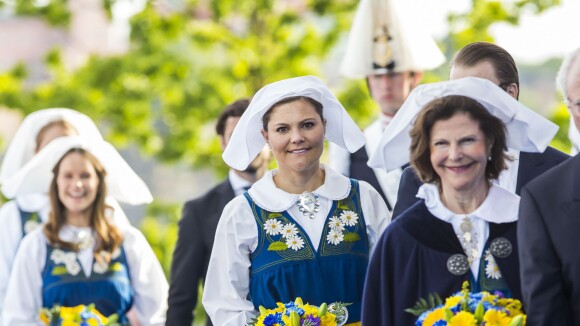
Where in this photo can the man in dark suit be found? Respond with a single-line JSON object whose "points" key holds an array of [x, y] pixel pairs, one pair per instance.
{"points": [[548, 228], [489, 61], [199, 221]]}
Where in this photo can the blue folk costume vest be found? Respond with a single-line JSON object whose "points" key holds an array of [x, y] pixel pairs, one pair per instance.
{"points": [[31, 218], [281, 272], [110, 289]]}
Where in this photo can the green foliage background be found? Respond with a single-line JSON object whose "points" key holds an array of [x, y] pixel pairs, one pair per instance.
{"points": [[183, 67]]}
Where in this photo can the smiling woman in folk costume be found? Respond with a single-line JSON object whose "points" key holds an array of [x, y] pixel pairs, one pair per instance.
{"points": [[391, 51], [80, 256], [303, 230], [464, 226], [23, 213]]}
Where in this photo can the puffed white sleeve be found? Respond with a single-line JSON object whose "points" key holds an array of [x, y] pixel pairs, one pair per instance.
{"points": [[23, 299], [147, 279], [227, 282], [10, 236], [375, 211]]}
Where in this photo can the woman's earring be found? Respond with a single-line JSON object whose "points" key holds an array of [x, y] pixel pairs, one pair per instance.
{"points": [[489, 158]]}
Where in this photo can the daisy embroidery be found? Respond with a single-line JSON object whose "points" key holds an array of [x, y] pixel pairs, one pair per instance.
{"points": [[295, 242], [334, 237], [336, 224], [73, 268], [289, 230], [491, 269], [349, 218], [273, 226]]}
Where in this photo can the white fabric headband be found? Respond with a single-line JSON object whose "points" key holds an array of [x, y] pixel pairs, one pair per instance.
{"points": [[123, 184], [23, 144], [247, 141], [527, 131]]}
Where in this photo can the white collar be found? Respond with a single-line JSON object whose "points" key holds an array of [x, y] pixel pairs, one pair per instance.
{"points": [[238, 183], [500, 205], [266, 195]]}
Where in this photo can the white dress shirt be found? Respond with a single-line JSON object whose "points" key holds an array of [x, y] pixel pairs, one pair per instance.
{"points": [[23, 299], [228, 276], [500, 206]]}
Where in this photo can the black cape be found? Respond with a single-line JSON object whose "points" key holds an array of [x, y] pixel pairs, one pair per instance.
{"points": [[410, 262]]}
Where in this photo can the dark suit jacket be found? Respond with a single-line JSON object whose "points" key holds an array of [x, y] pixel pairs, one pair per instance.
{"points": [[530, 166], [197, 229], [359, 170], [548, 232]]}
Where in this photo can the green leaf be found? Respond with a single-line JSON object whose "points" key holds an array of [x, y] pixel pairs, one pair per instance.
{"points": [[351, 237], [516, 321], [277, 246], [59, 270]]}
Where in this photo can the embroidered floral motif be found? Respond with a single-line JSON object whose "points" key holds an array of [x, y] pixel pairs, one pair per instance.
{"points": [[349, 218], [273, 227], [295, 242], [289, 230], [69, 259], [491, 269], [336, 224], [30, 225], [334, 237]]}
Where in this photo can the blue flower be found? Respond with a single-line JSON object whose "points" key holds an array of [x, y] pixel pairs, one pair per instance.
{"points": [[273, 319], [440, 323], [298, 310]]}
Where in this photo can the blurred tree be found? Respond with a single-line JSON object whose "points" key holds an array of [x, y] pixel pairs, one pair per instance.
{"points": [[185, 65]]}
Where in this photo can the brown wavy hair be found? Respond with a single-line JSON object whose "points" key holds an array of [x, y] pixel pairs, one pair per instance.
{"points": [[445, 108], [108, 236]]}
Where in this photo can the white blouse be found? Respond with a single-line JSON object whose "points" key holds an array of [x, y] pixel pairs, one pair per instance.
{"points": [[24, 294], [228, 276], [11, 230], [500, 206]]}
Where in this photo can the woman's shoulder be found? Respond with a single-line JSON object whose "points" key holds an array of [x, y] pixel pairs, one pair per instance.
{"points": [[34, 240]]}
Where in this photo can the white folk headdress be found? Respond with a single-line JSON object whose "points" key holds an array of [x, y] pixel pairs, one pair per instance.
{"points": [[527, 131], [123, 184], [23, 145], [247, 140]]}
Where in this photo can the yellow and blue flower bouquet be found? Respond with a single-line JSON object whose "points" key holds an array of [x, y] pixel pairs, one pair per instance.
{"points": [[472, 309], [299, 314], [80, 315]]}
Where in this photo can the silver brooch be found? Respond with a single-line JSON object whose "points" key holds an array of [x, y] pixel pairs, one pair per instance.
{"points": [[458, 264], [308, 204], [84, 239], [500, 247]]}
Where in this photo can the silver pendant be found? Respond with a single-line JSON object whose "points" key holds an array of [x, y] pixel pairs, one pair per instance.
{"points": [[308, 204], [84, 239]]}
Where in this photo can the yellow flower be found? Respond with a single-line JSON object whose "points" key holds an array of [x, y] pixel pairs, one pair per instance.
{"points": [[434, 316], [496, 318], [328, 319], [453, 301], [463, 318]]}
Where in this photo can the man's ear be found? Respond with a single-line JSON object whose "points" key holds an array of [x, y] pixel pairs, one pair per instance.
{"points": [[513, 90], [223, 142], [417, 76]]}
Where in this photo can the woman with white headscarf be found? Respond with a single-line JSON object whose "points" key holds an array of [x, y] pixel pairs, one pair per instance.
{"points": [[80, 256], [303, 230], [23, 213], [464, 226]]}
